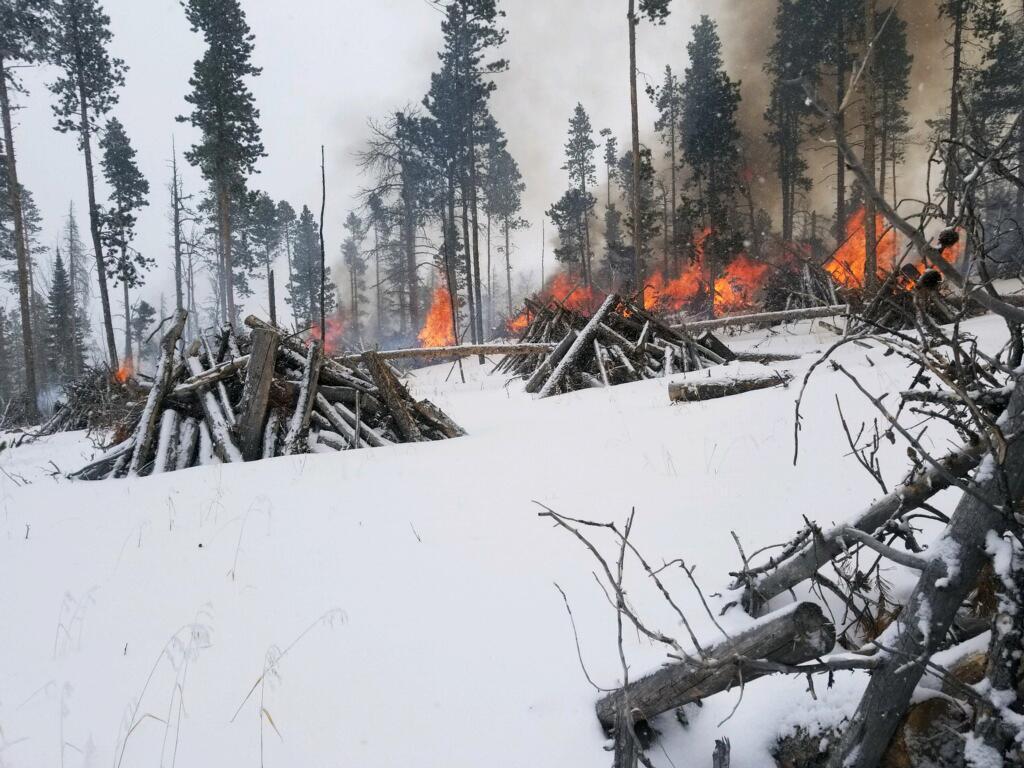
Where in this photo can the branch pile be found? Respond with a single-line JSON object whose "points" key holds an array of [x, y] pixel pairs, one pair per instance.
{"points": [[620, 342], [248, 397]]}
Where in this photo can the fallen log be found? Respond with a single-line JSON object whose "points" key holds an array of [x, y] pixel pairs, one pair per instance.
{"points": [[210, 377], [215, 423], [788, 315], [711, 389], [464, 350], [765, 357], [544, 369], [915, 491], [395, 397], [794, 634]]}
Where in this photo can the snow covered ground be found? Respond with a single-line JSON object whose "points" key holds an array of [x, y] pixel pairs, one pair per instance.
{"points": [[398, 606]]}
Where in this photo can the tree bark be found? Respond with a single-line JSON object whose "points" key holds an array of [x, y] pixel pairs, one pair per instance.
{"points": [[256, 393], [712, 389], [394, 396], [176, 224], [21, 250], [582, 342], [870, 220], [634, 113], [227, 268], [954, 108], [795, 634], [946, 581]]}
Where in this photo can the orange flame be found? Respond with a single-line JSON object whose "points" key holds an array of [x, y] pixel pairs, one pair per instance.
{"points": [[125, 372], [849, 263], [560, 288], [737, 287], [334, 333], [437, 328]]}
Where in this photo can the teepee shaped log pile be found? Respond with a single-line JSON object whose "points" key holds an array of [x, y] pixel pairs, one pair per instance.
{"points": [[264, 394], [620, 342]]}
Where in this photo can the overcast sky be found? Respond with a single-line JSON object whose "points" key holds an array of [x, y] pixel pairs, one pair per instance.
{"points": [[329, 65]]}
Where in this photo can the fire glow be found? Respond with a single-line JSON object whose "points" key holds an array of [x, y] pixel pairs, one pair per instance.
{"points": [[334, 333], [125, 372], [561, 289], [849, 262], [437, 328]]}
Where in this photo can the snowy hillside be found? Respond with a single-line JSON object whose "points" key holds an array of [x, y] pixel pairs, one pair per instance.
{"points": [[397, 606]]}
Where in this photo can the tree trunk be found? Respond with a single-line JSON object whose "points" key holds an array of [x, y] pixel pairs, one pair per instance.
{"points": [[227, 268], [870, 221], [508, 270], [634, 112], [409, 242], [85, 136], [271, 293], [475, 229], [712, 389], [945, 582], [176, 223], [468, 258], [127, 320], [580, 344], [840, 45], [954, 109], [20, 247]]}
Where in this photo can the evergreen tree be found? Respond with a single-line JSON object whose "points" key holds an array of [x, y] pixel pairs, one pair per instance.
{"points": [[224, 111], [128, 190], [569, 217], [143, 317], [78, 275], [355, 263], [462, 124], [710, 137], [579, 162], [668, 99], [286, 229], [24, 37], [266, 235], [63, 343], [648, 227], [794, 54], [892, 67], [304, 288], [504, 202], [86, 91]]}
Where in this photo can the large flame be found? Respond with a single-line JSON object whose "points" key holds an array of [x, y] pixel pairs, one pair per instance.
{"points": [[849, 262], [334, 333], [437, 328], [737, 288], [560, 288]]}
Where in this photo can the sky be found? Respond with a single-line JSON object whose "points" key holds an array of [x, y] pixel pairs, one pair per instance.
{"points": [[331, 65]]}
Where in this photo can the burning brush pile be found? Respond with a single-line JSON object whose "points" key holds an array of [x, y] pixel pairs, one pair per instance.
{"points": [[248, 397], [620, 342], [97, 400]]}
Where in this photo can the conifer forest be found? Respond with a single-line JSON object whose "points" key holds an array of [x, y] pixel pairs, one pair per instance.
{"points": [[712, 315]]}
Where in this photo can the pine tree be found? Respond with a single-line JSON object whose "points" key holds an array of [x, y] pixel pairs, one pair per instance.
{"points": [[569, 217], [893, 63], [224, 111], [266, 235], [24, 37], [86, 92], [63, 343], [710, 136], [286, 228], [668, 99], [128, 190], [794, 54], [505, 189], [78, 275], [304, 288], [579, 162], [355, 263], [648, 228], [143, 317]]}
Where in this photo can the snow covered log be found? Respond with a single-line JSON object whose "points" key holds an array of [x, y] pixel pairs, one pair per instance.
{"points": [[464, 350], [582, 341], [795, 634], [947, 579], [787, 316], [711, 389], [296, 439], [214, 419]]}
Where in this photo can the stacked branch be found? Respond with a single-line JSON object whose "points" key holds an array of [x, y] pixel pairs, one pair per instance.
{"points": [[619, 343], [246, 397]]}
